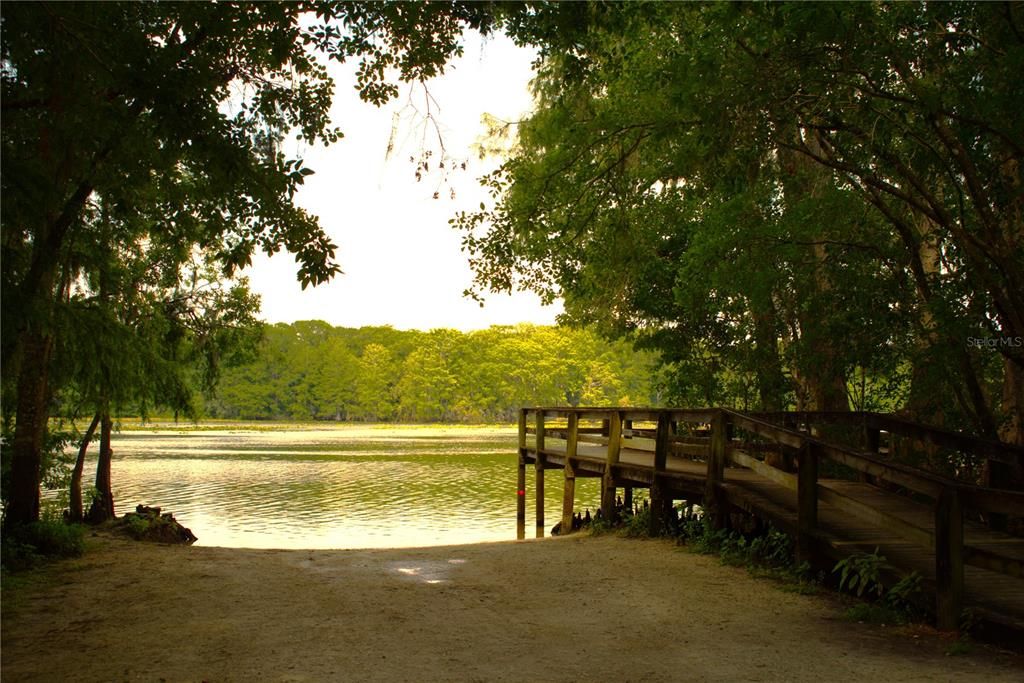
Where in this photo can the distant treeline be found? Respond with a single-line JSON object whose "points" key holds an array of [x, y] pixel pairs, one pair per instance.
{"points": [[312, 371]]}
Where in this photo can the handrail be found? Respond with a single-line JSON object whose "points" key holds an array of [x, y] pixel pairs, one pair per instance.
{"points": [[994, 450], [950, 496], [984, 499], [1010, 454]]}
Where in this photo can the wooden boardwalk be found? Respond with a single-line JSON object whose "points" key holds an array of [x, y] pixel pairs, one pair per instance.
{"points": [[724, 460]]}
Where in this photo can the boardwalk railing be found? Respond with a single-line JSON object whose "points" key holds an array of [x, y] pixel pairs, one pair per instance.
{"points": [[723, 460]]}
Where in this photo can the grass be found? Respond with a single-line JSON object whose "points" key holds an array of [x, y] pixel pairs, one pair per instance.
{"points": [[961, 646], [788, 580], [877, 614], [133, 424], [29, 545]]}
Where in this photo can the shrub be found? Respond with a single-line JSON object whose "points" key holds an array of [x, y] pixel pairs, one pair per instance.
{"points": [[875, 613], [27, 545], [638, 525], [861, 571]]}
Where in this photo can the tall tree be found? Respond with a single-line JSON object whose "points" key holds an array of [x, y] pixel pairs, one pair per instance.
{"points": [[375, 397], [744, 187], [169, 117]]}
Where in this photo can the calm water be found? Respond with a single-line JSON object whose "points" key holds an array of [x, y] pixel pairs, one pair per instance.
{"points": [[339, 487]]}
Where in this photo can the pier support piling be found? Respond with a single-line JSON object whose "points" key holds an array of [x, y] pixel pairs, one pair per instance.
{"points": [[613, 426], [807, 501], [714, 505], [659, 502], [569, 494], [521, 479], [539, 487]]}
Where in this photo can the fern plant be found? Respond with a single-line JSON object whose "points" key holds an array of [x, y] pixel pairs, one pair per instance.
{"points": [[860, 572]]}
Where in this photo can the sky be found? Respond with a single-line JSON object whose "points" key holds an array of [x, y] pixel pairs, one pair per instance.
{"points": [[401, 259]]}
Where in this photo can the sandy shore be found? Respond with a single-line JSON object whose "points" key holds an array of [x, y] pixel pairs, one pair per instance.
{"points": [[564, 609]]}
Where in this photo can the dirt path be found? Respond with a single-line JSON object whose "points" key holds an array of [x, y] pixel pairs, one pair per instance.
{"points": [[564, 609]]}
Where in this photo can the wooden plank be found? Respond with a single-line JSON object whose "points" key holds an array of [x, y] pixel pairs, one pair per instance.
{"points": [[641, 414], [690, 450], [993, 500], [740, 458], [993, 561], [699, 416], [992, 450], [875, 516], [973, 497], [785, 437], [642, 444], [915, 480]]}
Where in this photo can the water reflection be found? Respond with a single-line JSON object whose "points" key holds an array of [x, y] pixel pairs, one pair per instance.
{"points": [[347, 487]]}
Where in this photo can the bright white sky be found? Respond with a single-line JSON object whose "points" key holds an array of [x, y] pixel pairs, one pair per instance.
{"points": [[401, 260]]}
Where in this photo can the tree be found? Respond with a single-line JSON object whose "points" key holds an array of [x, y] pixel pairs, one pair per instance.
{"points": [[334, 379], [778, 197], [169, 119], [429, 388], [442, 375], [375, 383]]}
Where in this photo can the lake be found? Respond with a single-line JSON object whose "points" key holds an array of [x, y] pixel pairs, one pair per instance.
{"points": [[343, 486]]}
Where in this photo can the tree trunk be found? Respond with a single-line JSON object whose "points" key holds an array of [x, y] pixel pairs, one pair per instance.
{"points": [[75, 513], [1012, 430], [30, 430], [771, 381], [925, 403], [103, 504], [825, 378], [998, 474]]}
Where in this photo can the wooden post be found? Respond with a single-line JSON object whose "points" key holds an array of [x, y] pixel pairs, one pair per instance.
{"points": [[539, 470], [540, 429], [949, 559], [871, 441], [659, 500], [627, 498], [714, 505], [539, 466], [806, 500], [569, 495], [996, 474], [521, 499], [521, 479], [614, 423]]}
